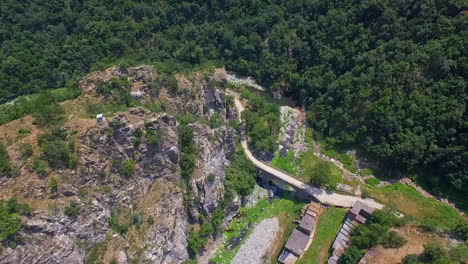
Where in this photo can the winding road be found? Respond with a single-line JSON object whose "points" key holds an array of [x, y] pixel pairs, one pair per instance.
{"points": [[323, 196]]}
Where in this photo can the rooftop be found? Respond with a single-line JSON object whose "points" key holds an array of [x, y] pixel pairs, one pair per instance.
{"points": [[307, 223], [297, 242], [361, 208]]}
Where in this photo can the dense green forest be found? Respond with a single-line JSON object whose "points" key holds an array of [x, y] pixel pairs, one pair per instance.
{"points": [[386, 76]]}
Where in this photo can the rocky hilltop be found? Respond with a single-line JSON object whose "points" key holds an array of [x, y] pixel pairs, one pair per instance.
{"points": [[125, 199]]}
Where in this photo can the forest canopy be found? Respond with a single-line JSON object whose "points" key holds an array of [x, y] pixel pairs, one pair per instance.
{"points": [[386, 76]]}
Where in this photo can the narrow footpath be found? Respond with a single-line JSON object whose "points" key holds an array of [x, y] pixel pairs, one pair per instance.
{"points": [[323, 196]]}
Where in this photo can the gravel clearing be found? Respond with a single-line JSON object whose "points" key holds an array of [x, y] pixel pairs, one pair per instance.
{"points": [[258, 243]]}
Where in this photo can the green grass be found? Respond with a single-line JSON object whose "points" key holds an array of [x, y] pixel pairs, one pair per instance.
{"points": [[372, 181], [310, 162], [366, 172], [28, 104], [286, 210], [328, 225], [333, 152], [286, 163], [409, 201]]}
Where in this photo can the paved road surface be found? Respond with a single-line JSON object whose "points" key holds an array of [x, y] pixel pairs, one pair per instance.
{"points": [[321, 195]]}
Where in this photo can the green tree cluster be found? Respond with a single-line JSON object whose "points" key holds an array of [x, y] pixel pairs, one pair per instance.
{"points": [[262, 122], [386, 76], [240, 177]]}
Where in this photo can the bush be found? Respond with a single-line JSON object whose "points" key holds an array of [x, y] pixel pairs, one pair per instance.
{"points": [[372, 181], [215, 121], [10, 223], [153, 137], [23, 131], [461, 230], [392, 240], [6, 169], [150, 220], [129, 167], [385, 217], [434, 252], [47, 115], [39, 166], [411, 259], [56, 150], [116, 226], [26, 150], [72, 209], [126, 168], [351, 256], [53, 185], [320, 176], [172, 84]]}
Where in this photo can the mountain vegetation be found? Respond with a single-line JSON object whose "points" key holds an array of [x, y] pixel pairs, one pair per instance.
{"points": [[386, 76]]}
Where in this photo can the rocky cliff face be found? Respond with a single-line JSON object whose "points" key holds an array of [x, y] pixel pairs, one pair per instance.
{"points": [[128, 172]]}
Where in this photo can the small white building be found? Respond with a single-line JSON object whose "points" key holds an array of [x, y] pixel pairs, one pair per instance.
{"points": [[100, 118]]}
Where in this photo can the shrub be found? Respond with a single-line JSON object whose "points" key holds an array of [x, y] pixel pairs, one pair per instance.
{"points": [[72, 209], [53, 185], [137, 219], [320, 176], [56, 153], [116, 226], [172, 84], [150, 220], [411, 259], [211, 178], [459, 253], [39, 166], [23, 131], [351, 256], [56, 150], [6, 169], [434, 251], [461, 230], [26, 150], [385, 217], [392, 240], [372, 181], [128, 167], [153, 137], [195, 242], [10, 223], [48, 114], [215, 121]]}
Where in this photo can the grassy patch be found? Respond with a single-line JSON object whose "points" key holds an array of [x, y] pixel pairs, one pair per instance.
{"points": [[372, 181], [366, 172], [411, 202], [328, 225], [285, 163], [287, 210], [29, 104], [310, 163], [332, 152]]}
